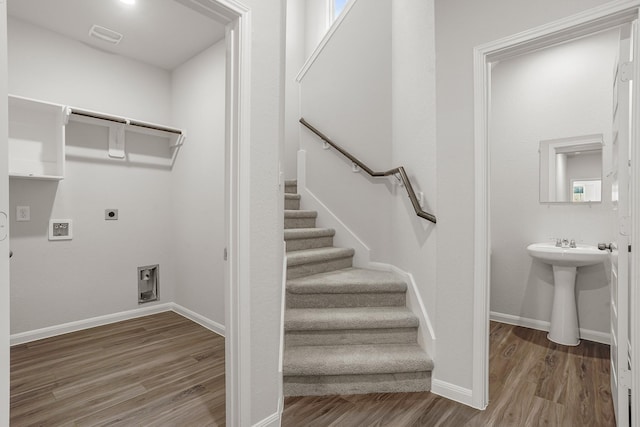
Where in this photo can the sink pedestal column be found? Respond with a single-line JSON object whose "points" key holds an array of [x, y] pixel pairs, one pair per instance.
{"points": [[564, 313]]}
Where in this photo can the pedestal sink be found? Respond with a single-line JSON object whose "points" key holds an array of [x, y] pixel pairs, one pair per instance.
{"points": [[565, 261]]}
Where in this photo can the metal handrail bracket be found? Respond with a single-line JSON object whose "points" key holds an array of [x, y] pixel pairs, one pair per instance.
{"points": [[399, 172]]}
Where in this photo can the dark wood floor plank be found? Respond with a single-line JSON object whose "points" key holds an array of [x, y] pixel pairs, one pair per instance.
{"points": [[151, 370]]}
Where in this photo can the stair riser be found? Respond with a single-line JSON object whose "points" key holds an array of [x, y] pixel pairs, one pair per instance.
{"points": [[291, 189], [311, 243], [346, 300], [299, 223], [357, 384], [351, 337], [293, 204], [293, 272]]}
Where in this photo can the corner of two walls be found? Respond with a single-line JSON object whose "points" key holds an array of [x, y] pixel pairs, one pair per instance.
{"points": [[95, 274]]}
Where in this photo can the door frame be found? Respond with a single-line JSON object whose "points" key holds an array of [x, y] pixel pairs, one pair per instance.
{"points": [[237, 196], [588, 22]]}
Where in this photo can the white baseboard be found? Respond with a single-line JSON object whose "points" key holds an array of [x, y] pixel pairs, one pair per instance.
{"points": [[452, 392], [272, 420], [541, 325], [199, 319], [65, 328]]}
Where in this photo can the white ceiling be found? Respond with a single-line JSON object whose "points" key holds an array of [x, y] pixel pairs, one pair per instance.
{"points": [[163, 33]]}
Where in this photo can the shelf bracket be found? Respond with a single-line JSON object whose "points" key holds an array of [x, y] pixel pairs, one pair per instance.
{"points": [[116, 141], [179, 140]]}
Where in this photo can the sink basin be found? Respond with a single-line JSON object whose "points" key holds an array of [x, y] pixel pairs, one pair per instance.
{"points": [[563, 326], [580, 256]]}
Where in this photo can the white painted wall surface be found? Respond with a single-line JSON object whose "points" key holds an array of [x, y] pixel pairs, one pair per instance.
{"points": [[460, 26], [197, 184], [558, 92], [95, 273], [4, 244], [54, 68], [295, 57], [414, 144], [347, 95], [266, 202]]}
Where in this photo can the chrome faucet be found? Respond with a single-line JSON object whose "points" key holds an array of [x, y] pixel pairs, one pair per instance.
{"points": [[572, 244], [565, 243], [558, 243]]}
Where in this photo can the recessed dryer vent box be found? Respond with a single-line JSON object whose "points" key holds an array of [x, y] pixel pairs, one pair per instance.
{"points": [[60, 229]]}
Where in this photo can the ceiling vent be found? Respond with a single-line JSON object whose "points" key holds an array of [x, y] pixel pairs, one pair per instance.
{"points": [[105, 34]]}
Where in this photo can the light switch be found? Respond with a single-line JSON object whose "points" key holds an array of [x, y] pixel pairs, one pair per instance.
{"points": [[23, 213]]}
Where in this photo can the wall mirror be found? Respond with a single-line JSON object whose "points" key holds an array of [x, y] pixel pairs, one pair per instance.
{"points": [[571, 170]]}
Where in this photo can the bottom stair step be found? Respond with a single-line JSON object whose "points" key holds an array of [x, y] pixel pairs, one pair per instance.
{"points": [[356, 369], [357, 384]]}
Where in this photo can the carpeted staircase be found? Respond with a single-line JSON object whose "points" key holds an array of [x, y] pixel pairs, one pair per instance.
{"points": [[347, 330]]}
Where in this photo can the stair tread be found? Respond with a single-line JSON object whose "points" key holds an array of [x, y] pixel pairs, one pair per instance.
{"points": [[307, 256], [359, 359], [348, 280], [290, 182], [300, 213], [293, 196], [349, 318], [303, 233]]}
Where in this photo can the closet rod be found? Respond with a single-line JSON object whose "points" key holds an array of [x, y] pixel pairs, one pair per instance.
{"points": [[121, 120]]}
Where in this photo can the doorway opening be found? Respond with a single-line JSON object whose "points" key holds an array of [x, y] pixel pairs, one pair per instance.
{"points": [[237, 38], [576, 27]]}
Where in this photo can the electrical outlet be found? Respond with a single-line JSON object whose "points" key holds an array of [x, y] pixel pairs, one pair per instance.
{"points": [[111, 214], [23, 213], [60, 229]]}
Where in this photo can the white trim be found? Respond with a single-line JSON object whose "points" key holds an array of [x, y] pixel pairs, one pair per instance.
{"points": [[541, 325], [344, 237], [596, 19], [205, 322], [272, 420], [426, 333], [79, 325], [325, 40], [452, 392]]}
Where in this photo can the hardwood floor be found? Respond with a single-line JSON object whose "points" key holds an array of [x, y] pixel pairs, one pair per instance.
{"points": [[533, 382], [164, 370], [159, 370]]}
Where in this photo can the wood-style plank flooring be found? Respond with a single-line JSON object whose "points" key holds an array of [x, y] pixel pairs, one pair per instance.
{"points": [[533, 382], [159, 370]]}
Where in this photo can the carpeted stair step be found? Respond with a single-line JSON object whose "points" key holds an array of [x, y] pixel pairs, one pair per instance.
{"points": [[297, 239], [291, 186], [319, 260], [360, 325], [351, 369], [349, 287], [299, 218], [292, 201]]}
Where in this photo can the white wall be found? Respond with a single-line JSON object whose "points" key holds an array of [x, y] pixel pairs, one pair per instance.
{"points": [[414, 144], [558, 92], [54, 68], [95, 273], [197, 183], [460, 26], [265, 214], [348, 97]]}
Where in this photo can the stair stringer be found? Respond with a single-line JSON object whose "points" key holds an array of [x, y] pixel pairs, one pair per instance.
{"points": [[426, 333], [344, 236]]}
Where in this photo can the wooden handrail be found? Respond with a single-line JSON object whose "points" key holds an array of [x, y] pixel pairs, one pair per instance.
{"points": [[398, 172]]}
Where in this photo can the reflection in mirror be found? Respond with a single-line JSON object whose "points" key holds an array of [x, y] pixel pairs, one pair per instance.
{"points": [[571, 170]]}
